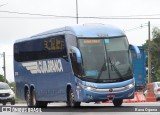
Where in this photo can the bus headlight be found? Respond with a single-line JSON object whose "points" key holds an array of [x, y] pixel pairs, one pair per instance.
{"points": [[87, 87], [130, 85], [90, 88]]}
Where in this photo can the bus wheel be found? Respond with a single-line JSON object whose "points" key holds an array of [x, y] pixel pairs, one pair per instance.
{"points": [[71, 102], [27, 96], [42, 104], [33, 98], [118, 102], [35, 103]]}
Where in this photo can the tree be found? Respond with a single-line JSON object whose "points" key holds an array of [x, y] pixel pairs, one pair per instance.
{"points": [[155, 54], [1, 78], [11, 84], [157, 75]]}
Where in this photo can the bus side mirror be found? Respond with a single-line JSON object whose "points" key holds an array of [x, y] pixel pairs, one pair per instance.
{"points": [[137, 51], [77, 53]]}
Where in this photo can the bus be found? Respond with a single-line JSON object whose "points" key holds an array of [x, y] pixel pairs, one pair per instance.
{"points": [[139, 67], [74, 64]]}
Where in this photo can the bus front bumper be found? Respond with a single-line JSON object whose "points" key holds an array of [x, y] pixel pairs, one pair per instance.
{"points": [[92, 96]]}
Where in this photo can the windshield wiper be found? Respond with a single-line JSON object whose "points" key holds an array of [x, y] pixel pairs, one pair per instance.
{"points": [[129, 73], [103, 68], [115, 68]]}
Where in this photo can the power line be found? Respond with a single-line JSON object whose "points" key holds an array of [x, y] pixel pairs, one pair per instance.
{"points": [[29, 17], [89, 17], [36, 14], [138, 15], [135, 28], [82, 17], [72, 17], [155, 25], [44, 16], [3, 4], [141, 26]]}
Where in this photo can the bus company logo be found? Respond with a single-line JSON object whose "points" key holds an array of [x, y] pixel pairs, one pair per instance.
{"points": [[110, 90], [47, 66]]}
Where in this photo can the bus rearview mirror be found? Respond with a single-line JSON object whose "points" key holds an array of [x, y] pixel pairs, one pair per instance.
{"points": [[77, 53]]}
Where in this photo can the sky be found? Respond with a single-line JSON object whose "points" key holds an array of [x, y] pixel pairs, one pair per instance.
{"points": [[16, 23]]}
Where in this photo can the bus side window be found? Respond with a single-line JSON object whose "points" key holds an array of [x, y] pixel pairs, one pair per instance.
{"points": [[55, 47], [39, 49]]}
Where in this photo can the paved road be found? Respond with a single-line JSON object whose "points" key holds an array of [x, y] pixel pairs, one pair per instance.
{"points": [[145, 108]]}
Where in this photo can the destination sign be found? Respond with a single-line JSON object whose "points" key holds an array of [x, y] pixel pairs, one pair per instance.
{"points": [[91, 41], [54, 44]]}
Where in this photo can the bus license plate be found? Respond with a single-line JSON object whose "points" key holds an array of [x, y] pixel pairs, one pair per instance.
{"points": [[110, 95]]}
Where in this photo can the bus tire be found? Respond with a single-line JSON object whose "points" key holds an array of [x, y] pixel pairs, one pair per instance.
{"points": [[35, 103], [42, 104], [33, 98], [28, 98], [117, 102], [70, 101]]}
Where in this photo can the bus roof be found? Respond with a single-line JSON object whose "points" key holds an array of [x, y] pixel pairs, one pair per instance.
{"points": [[85, 30]]}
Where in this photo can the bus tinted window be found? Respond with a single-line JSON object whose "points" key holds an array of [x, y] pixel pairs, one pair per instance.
{"points": [[52, 47]]}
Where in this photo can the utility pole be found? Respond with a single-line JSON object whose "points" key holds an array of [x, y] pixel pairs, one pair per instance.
{"points": [[149, 54], [77, 10], [4, 65]]}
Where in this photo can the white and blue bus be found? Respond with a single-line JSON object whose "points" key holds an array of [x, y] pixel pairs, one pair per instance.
{"points": [[74, 64]]}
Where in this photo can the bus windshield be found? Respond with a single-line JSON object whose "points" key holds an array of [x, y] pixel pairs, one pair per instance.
{"points": [[106, 59]]}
